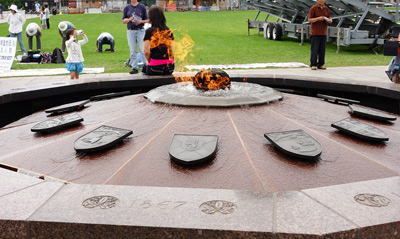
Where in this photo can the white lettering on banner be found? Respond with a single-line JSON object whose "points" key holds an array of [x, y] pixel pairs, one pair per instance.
{"points": [[7, 52]]}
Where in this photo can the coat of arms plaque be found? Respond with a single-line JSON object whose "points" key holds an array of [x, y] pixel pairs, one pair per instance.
{"points": [[57, 123], [361, 130], [296, 143], [100, 138], [67, 107], [192, 149], [370, 113]]}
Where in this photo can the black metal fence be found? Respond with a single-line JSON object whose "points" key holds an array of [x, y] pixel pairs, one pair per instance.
{"points": [[114, 6]]}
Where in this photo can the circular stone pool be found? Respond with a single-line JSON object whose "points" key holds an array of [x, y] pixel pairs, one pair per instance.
{"points": [[245, 160]]}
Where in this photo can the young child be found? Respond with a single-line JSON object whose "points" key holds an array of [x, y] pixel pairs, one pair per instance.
{"points": [[75, 57], [42, 19]]}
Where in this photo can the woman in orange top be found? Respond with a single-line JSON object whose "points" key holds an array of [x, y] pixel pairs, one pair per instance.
{"points": [[158, 45]]}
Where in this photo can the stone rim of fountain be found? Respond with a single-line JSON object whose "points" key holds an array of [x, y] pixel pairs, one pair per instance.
{"points": [[239, 94]]}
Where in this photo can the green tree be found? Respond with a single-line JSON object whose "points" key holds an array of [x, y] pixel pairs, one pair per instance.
{"points": [[20, 4]]}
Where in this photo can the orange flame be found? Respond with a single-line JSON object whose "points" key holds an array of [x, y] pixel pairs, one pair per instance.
{"points": [[162, 39], [182, 50], [207, 80]]}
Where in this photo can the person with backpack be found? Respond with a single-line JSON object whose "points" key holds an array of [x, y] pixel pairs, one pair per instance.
{"points": [[75, 58], [62, 29], [32, 30]]}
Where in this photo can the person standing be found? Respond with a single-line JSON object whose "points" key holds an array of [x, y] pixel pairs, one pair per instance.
{"points": [[16, 21], [42, 19], [135, 15], [33, 29], [74, 61], [37, 7], [1, 10], [158, 45], [47, 15], [319, 17], [62, 28], [105, 38]]}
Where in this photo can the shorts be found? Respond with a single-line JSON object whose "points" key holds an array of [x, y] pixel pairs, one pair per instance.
{"points": [[75, 66], [43, 22]]}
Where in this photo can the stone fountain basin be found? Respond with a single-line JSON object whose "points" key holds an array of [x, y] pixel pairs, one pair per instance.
{"points": [[245, 159], [249, 187]]}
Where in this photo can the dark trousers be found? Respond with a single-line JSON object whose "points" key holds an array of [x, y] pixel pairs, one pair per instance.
{"points": [[64, 39], [100, 43], [318, 44], [48, 23], [165, 69], [38, 42]]}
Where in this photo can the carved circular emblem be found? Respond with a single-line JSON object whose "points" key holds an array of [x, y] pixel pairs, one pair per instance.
{"points": [[372, 200], [218, 206], [104, 202]]}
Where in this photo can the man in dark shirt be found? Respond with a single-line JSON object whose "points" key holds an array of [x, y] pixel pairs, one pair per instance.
{"points": [[135, 15], [319, 17]]}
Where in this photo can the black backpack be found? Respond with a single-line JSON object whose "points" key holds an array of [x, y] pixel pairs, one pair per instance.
{"points": [[57, 56]]}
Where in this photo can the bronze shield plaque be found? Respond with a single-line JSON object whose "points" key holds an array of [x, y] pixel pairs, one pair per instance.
{"points": [[57, 123], [192, 149], [67, 107], [370, 113], [337, 100], [109, 96], [100, 138], [296, 143], [360, 130]]}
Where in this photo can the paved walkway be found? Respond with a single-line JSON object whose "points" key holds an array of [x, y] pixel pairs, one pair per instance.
{"points": [[367, 74], [26, 15]]}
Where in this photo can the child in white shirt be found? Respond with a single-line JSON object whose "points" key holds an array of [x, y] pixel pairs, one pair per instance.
{"points": [[75, 58]]}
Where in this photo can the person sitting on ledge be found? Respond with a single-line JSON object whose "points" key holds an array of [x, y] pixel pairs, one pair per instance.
{"points": [[158, 45], [105, 38]]}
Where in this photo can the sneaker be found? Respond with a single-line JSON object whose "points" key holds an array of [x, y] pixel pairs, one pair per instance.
{"points": [[322, 68], [313, 68], [133, 71]]}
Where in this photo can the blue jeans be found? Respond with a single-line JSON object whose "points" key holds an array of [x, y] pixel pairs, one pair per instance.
{"points": [[135, 39], [100, 42], [19, 37]]}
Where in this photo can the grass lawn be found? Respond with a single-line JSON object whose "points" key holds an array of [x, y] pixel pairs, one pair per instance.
{"points": [[219, 38]]}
